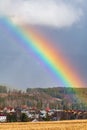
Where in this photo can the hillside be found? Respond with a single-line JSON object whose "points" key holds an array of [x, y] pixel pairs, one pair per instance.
{"points": [[69, 98], [56, 97]]}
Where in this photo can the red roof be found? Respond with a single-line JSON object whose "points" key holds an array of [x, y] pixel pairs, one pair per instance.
{"points": [[47, 109]]}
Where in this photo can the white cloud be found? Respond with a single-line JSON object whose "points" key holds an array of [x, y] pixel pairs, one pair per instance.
{"points": [[42, 12]]}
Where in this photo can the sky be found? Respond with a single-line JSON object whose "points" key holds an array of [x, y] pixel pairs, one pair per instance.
{"points": [[64, 22]]}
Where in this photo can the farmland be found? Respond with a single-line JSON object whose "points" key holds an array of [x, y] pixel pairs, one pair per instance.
{"points": [[60, 125]]}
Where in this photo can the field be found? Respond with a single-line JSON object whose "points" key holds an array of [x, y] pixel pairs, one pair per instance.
{"points": [[61, 125]]}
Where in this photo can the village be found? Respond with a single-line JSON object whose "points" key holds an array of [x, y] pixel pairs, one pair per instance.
{"points": [[31, 114]]}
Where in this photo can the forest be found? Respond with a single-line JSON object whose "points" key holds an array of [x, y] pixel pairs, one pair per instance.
{"points": [[65, 98]]}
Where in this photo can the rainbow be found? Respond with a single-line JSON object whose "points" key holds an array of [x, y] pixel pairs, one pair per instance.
{"points": [[52, 58]]}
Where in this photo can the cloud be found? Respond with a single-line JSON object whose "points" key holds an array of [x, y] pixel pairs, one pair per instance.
{"points": [[42, 12]]}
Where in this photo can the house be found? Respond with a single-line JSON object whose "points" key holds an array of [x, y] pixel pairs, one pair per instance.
{"points": [[3, 118], [35, 120], [43, 113]]}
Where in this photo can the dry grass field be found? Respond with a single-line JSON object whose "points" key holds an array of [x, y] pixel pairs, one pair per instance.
{"points": [[60, 125]]}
